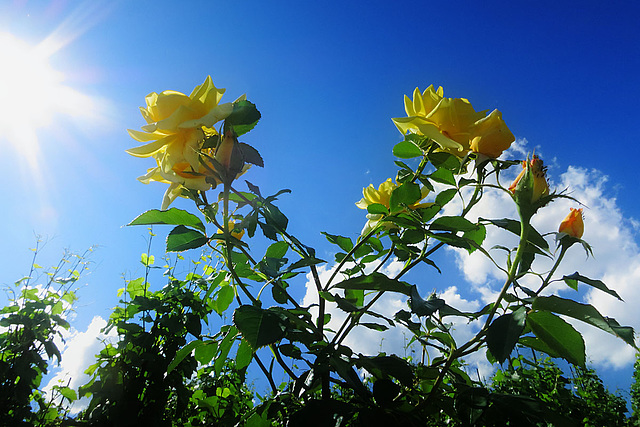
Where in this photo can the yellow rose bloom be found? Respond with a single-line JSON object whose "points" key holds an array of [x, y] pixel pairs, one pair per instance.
{"points": [[492, 135], [453, 124], [176, 121], [383, 196], [177, 125], [540, 184], [573, 224]]}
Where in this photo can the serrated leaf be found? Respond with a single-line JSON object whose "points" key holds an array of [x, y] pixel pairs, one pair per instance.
{"points": [[374, 326], [250, 154], [344, 243], [223, 299], [258, 326], [243, 355], [377, 208], [253, 188], [182, 238], [504, 332], [559, 335], [453, 223], [440, 159], [591, 282], [404, 195], [172, 216], [375, 282], [536, 344], [423, 307], [406, 150], [277, 250], [182, 353], [244, 117], [204, 353], [445, 196], [443, 176], [585, 313], [514, 227], [305, 262]]}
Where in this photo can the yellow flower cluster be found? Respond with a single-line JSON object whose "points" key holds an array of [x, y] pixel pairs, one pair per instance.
{"points": [[177, 125], [454, 124], [383, 196]]}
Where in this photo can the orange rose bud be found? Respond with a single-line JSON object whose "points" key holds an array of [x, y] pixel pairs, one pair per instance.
{"points": [[538, 171], [573, 224]]}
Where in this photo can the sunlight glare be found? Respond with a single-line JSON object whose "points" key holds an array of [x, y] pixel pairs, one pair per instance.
{"points": [[32, 94]]}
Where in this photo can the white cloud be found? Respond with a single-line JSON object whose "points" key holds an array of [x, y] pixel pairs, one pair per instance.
{"points": [[616, 262], [616, 258], [78, 353]]}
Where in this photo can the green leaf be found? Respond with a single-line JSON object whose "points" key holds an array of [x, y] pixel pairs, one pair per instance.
{"points": [[504, 332], [405, 195], [383, 366], [560, 336], [244, 117], [478, 235], [223, 299], [445, 196], [69, 393], [136, 287], [514, 227], [225, 347], [243, 355], [585, 313], [423, 307], [344, 243], [406, 150], [377, 208], [182, 353], [453, 223], [440, 159], [182, 238], [275, 217], [576, 277], [305, 262], [444, 176], [374, 326], [536, 344], [250, 155], [172, 216], [204, 353], [258, 326], [375, 282], [277, 250]]}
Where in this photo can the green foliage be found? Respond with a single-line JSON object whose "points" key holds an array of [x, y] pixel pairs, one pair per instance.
{"points": [[29, 326], [184, 345], [580, 399], [131, 380]]}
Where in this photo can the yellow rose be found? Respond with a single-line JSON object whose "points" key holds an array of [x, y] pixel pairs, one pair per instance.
{"points": [[492, 135], [176, 121], [177, 125], [453, 124], [573, 224], [540, 184], [232, 227], [383, 196]]}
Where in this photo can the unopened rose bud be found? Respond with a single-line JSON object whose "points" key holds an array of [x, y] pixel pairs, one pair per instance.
{"points": [[537, 179], [573, 225]]}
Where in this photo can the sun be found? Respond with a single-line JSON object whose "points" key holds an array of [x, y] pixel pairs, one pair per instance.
{"points": [[32, 94]]}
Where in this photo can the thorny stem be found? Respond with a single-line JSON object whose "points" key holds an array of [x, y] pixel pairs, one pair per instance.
{"points": [[475, 341], [547, 281]]}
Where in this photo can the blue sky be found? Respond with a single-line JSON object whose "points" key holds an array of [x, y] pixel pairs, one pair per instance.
{"points": [[327, 77]]}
